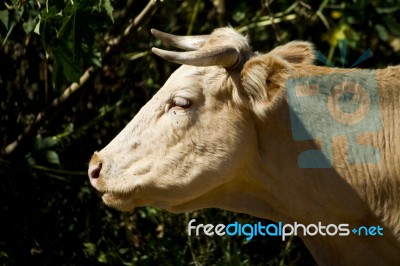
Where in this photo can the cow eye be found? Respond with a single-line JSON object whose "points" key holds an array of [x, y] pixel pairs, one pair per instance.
{"points": [[181, 102]]}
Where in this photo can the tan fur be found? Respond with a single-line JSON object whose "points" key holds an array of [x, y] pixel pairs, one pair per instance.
{"points": [[233, 149]]}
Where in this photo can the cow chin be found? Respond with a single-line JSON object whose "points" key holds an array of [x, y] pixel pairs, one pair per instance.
{"points": [[121, 202]]}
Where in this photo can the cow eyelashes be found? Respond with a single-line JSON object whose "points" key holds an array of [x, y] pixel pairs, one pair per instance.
{"points": [[181, 102]]}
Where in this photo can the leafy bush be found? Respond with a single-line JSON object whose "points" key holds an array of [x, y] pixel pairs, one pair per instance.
{"points": [[74, 72]]}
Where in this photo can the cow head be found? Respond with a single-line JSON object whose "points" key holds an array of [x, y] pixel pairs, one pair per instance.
{"points": [[197, 134]]}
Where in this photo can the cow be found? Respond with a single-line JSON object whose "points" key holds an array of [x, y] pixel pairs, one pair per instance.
{"points": [[249, 132]]}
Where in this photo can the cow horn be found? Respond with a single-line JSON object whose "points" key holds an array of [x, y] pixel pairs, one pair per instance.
{"points": [[225, 56], [188, 43]]}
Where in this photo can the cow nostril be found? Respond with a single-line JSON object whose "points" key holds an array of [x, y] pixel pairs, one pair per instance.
{"points": [[95, 173]]}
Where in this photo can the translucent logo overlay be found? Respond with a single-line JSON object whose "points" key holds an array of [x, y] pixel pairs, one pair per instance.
{"points": [[281, 230], [344, 104]]}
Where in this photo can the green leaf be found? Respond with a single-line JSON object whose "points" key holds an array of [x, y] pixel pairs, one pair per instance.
{"points": [[102, 258], [52, 157], [37, 28], [382, 32], [393, 25], [109, 9], [4, 17], [90, 248], [30, 24], [67, 27], [70, 67], [387, 10], [45, 143], [31, 161]]}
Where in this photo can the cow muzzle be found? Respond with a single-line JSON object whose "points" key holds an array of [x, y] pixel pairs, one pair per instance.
{"points": [[94, 171]]}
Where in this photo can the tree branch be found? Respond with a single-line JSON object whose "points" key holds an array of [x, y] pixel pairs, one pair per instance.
{"points": [[113, 46], [41, 117], [140, 19]]}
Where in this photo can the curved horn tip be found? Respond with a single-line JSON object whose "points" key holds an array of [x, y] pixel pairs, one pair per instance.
{"points": [[155, 50], [161, 53], [154, 31], [161, 35]]}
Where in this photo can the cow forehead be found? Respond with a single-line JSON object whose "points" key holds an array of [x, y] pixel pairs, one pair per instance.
{"points": [[194, 77]]}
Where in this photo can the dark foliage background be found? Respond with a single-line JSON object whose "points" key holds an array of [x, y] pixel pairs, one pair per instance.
{"points": [[50, 125]]}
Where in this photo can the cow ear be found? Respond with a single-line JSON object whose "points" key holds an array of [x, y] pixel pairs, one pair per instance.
{"points": [[263, 78], [296, 52]]}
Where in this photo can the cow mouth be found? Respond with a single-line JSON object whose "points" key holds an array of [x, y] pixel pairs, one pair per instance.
{"points": [[119, 201]]}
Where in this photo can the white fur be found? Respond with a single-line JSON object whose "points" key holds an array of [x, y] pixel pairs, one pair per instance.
{"points": [[233, 149]]}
